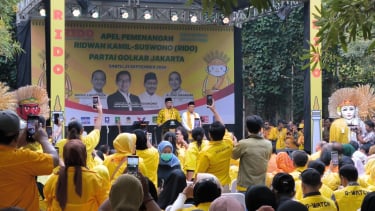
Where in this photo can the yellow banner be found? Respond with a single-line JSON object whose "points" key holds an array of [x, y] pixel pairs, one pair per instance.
{"points": [[57, 90], [315, 79], [184, 62]]}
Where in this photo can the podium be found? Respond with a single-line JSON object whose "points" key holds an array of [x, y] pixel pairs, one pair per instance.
{"points": [[140, 125], [165, 127]]}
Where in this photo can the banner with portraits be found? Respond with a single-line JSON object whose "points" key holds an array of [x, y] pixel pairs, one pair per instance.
{"points": [[133, 67]]}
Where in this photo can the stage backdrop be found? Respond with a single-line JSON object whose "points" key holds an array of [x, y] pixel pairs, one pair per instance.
{"points": [[201, 55]]}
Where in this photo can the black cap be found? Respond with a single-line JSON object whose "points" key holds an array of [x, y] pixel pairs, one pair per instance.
{"points": [[311, 177], [283, 183]]}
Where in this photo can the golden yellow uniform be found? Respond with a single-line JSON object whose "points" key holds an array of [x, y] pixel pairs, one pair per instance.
{"points": [[191, 155], [18, 168], [278, 136], [93, 191], [324, 190], [215, 159], [166, 114], [90, 141], [150, 158], [339, 131], [317, 202], [350, 198]]}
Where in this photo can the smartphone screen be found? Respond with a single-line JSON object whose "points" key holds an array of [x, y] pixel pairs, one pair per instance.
{"points": [[32, 123], [132, 166], [209, 100], [95, 101], [197, 122], [335, 157], [49, 131]]}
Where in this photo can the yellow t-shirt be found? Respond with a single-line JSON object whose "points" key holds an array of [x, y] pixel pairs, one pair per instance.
{"points": [[150, 158], [18, 169], [201, 207], [215, 159], [339, 131], [168, 114], [331, 179], [93, 192], [324, 190], [191, 155], [90, 141], [112, 161], [279, 136], [318, 203], [350, 198]]}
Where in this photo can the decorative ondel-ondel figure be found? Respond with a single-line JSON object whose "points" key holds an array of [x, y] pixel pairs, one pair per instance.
{"points": [[349, 106]]}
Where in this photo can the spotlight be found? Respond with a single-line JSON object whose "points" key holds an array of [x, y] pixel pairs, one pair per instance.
{"points": [[193, 18], [76, 11], [225, 20], [94, 13], [42, 11], [174, 16], [147, 15], [124, 13]]}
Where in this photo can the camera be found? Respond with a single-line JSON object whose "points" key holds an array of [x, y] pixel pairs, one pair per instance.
{"points": [[209, 100], [95, 101], [132, 165]]}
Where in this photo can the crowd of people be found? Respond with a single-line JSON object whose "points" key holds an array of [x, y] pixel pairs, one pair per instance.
{"points": [[190, 169]]}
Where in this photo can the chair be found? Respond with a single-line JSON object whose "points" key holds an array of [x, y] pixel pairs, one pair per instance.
{"points": [[169, 207], [239, 196], [233, 186]]}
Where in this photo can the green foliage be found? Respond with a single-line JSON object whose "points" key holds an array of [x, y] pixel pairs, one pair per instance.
{"points": [[8, 46], [270, 48], [343, 21]]}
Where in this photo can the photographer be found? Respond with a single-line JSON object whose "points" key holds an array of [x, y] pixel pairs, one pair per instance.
{"points": [[19, 167]]}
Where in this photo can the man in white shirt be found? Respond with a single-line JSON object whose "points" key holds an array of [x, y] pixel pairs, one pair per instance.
{"points": [[98, 81], [149, 99], [190, 119]]}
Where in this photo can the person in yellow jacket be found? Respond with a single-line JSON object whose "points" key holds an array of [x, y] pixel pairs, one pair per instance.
{"points": [[351, 196], [312, 198], [116, 163], [191, 154], [278, 134], [149, 154], [75, 187], [91, 140]]}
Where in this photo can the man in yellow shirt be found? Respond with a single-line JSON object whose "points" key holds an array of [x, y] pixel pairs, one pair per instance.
{"points": [[215, 157], [351, 196], [168, 113], [91, 140], [312, 198], [19, 167], [278, 134]]}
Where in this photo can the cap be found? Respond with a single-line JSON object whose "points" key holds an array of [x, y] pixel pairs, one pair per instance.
{"points": [[168, 99], [9, 122], [310, 177]]}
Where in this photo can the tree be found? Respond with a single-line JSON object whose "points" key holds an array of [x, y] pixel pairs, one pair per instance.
{"points": [[8, 46]]}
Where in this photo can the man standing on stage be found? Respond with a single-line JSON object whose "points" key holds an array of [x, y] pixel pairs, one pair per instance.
{"points": [[168, 113], [190, 119]]}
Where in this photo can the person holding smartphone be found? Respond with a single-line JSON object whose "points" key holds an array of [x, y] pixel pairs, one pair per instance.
{"points": [[19, 167], [190, 119]]}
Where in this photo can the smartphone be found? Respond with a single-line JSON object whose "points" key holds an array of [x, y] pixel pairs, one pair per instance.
{"points": [[132, 166], [197, 122], [335, 158], [209, 100], [49, 131], [95, 101], [32, 123], [57, 150]]}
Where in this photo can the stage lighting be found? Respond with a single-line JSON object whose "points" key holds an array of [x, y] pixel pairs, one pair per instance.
{"points": [[174, 16], [76, 11], [147, 15], [124, 13], [225, 20], [94, 13], [42, 11], [193, 18]]}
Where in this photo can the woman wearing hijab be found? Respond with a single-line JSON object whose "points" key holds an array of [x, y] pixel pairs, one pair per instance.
{"points": [[116, 163], [167, 162], [175, 184], [75, 187]]}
